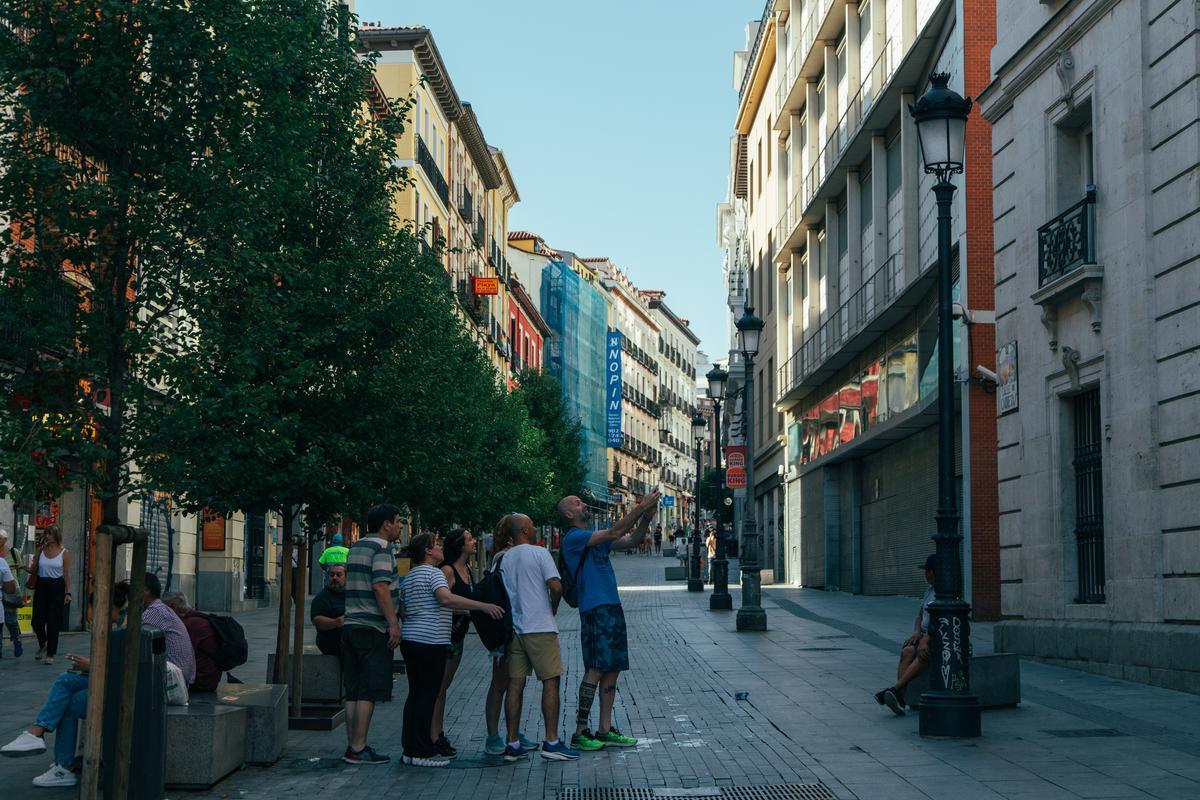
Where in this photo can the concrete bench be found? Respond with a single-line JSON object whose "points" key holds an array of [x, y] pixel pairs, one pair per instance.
{"points": [[321, 676], [676, 573], [668, 552], [266, 706], [205, 742], [995, 680]]}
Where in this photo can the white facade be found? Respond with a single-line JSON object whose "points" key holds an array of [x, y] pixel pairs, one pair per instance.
{"points": [[1095, 110], [677, 377]]}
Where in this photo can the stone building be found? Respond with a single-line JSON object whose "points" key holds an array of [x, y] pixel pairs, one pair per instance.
{"points": [[1095, 109]]}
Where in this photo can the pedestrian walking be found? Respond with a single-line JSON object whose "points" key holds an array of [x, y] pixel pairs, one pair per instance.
{"points": [[658, 536], [428, 619], [370, 629], [13, 600], [50, 575], [459, 550], [601, 618], [710, 550], [502, 541], [534, 590]]}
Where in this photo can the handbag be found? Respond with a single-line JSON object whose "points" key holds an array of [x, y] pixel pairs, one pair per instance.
{"points": [[31, 581]]}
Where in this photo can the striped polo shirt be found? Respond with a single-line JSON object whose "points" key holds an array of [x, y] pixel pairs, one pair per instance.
{"points": [[426, 621], [370, 561]]}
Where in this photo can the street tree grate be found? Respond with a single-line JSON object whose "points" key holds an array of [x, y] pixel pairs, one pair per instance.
{"points": [[1085, 733], [791, 791]]}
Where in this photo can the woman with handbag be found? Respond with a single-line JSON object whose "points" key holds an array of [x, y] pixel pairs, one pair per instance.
{"points": [[49, 578], [11, 602]]}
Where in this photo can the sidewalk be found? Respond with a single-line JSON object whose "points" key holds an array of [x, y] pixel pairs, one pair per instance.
{"points": [[808, 717]]}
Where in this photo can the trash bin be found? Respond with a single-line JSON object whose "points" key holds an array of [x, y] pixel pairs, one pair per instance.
{"points": [[148, 754]]}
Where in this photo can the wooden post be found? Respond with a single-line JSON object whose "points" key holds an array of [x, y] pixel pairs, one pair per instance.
{"points": [[129, 678], [101, 623], [285, 599], [298, 648]]}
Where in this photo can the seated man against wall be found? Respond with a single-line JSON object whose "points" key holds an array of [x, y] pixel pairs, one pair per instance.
{"points": [[328, 612], [205, 642], [914, 653]]}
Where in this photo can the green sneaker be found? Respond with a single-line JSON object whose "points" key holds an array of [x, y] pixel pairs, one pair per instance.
{"points": [[614, 738], [586, 742]]}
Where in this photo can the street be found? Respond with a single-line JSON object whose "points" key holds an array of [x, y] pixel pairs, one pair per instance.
{"points": [[807, 717]]}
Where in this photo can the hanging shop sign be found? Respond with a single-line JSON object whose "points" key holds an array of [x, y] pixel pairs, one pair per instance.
{"points": [[612, 388], [482, 285]]}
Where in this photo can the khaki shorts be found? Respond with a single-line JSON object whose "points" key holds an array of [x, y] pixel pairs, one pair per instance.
{"points": [[534, 652]]}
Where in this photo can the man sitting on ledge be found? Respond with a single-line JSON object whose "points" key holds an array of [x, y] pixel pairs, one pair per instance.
{"points": [[204, 639], [328, 612], [914, 654]]}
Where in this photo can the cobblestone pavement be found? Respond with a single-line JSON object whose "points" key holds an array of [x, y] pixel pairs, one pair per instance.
{"points": [[808, 716]]}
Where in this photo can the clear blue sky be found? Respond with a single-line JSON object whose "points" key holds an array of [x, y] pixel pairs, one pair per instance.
{"points": [[615, 119]]}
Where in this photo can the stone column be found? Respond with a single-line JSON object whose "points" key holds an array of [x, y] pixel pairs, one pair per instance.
{"points": [[908, 24], [832, 111], [853, 238], [879, 199], [799, 276], [853, 67], [796, 167], [910, 187], [814, 129], [813, 262], [832, 293]]}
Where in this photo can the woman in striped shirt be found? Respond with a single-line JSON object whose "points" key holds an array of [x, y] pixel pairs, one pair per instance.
{"points": [[425, 643]]}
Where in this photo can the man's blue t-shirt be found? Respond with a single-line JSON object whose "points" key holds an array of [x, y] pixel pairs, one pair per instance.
{"points": [[597, 581]]}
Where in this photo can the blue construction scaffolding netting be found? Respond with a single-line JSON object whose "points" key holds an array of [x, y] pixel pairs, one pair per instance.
{"points": [[577, 312]]}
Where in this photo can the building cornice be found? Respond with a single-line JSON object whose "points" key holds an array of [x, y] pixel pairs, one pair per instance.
{"points": [[511, 195], [420, 41], [763, 61], [477, 147], [661, 305], [517, 290]]}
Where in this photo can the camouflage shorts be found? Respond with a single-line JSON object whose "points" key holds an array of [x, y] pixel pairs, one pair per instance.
{"points": [[605, 643]]}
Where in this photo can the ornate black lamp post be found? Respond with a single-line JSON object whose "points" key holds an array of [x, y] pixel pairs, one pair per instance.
{"points": [[720, 599], [948, 708], [750, 616], [695, 580]]}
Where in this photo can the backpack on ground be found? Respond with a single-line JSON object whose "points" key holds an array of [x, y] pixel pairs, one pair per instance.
{"points": [[232, 649], [570, 578], [494, 633]]}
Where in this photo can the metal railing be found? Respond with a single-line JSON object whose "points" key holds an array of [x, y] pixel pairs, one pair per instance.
{"points": [[479, 231], [1068, 240], [466, 204], [800, 50], [432, 171], [875, 294]]}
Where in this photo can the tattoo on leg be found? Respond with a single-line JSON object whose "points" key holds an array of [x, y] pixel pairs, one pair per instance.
{"points": [[587, 694]]}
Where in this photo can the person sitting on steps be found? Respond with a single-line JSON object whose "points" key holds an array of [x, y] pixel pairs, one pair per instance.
{"points": [[914, 653]]}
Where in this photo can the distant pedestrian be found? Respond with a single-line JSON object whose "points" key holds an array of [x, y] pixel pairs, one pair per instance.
{"points": [[459, 550], [371, 629], [914, 653], [534, 590], [13, 600], [502, 542], [601, 618], [328, 612], [658, 537], [428, 610], [710, 550], [334, 554], [52, 571]]}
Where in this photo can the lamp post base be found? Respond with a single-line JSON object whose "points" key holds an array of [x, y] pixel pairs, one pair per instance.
{"points": [[695, 585], [950, 714], [720, 599], [751, 619], [720, 602]]}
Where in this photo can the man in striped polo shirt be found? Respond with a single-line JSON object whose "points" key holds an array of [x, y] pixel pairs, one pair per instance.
{"points": [[371, 630]]}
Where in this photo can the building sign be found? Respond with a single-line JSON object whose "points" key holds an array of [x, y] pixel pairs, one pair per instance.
{"points": [[612, 388], [1006, 374], [735, 466], [213, 535], [668, 501], [46, 514], [481, 285]]}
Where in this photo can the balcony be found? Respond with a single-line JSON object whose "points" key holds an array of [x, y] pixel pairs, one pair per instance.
{"points": [[802, 61], [432, 171], [881, 302], [470, 302], [466, 205], [479, 231], [1067, 264]]}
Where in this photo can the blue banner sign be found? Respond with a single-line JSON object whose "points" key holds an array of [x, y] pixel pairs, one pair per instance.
{"points": [[612, 388], [668, 501]]}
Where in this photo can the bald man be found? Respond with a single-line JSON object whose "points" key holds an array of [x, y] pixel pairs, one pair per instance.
{"points": [[601, 618]]}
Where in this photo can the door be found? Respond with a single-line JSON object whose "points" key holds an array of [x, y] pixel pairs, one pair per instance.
{"points": [[255, 554]]}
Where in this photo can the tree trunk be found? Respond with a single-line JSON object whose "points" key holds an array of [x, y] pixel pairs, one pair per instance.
{"points": [[297, 681], [285, 597]]}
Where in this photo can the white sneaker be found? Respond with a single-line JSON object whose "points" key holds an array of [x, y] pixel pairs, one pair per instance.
{"points": [[57, 775], [431, 761], [24, 745]]}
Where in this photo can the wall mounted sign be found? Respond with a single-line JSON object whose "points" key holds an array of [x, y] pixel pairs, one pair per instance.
{"points": [[482, 285], [612, 388], [1007, 398]]}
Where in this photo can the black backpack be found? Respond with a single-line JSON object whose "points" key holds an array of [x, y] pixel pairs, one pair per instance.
{"points": [[232, 650], [569, 578], [493, 633]]}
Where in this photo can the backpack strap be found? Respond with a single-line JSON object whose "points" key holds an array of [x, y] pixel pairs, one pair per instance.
{"points": [[579, 566]]}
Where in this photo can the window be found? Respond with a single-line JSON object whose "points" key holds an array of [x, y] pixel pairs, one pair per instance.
{"points": [[758, 161], [768, 272], [866, 205], [771, 389], [1074, 166], [843, 228], [893, 167], [768, 147]]}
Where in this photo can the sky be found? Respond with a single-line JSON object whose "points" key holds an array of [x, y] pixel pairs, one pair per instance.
{"points": [[615, 119]]}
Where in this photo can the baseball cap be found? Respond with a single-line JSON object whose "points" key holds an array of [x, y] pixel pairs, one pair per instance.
{"points": [[930, 563], [337, 538]]}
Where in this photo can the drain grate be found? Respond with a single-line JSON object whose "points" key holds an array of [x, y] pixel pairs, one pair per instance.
{"points": [[1085, 733], [791, 791]]}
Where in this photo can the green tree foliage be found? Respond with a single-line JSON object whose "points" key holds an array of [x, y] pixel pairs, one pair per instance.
{"points": [[713, 494], [542, 396]]}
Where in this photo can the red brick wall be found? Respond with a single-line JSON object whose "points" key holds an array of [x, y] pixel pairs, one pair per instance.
{"points": [[979, 36]]}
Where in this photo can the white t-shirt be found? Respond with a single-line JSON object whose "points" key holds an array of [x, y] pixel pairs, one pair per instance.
{"points": [[425, 619], [525, 570], [5, 573]]}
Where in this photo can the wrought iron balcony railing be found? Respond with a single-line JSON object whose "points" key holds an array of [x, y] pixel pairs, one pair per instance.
{"points": [[432, 171], [1068, 241]]}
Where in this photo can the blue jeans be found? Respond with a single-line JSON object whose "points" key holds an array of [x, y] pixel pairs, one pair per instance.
{"points": [[10, 622], [66, 705]]}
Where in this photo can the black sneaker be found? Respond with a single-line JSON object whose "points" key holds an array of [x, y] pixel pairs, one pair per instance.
{"points": [[893, 702], [444, 747], [366, 756], [879, 696]]}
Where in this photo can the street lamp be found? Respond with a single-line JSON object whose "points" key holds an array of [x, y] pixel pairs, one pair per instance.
{"points": [[948, 708], [695, 581], [750, 616], [720, 599]]}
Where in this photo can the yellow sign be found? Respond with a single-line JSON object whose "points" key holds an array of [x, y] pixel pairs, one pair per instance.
{"points": [[25, 619], [485, 286]]}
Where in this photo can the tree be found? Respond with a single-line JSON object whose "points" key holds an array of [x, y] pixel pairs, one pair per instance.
{"points": [[541, 393], [713, 493]]}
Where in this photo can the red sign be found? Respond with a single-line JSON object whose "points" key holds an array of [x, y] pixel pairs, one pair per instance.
{"points": [[735, 456], [46, 514], [735, 478], [481, 285], [213, 531]]}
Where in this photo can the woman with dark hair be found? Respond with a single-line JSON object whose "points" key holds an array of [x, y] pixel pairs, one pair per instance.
{"points": [[459, 550], [502, 541], [425, 642], [51, 575]]}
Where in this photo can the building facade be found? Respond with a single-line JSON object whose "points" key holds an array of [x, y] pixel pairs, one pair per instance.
{"points": [[1096, 135], [848, 268]]}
